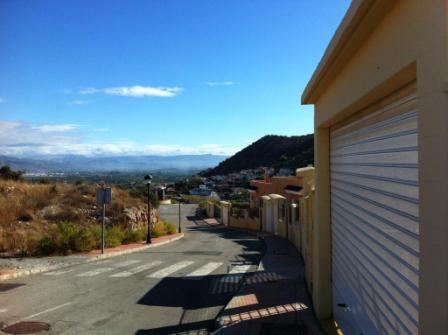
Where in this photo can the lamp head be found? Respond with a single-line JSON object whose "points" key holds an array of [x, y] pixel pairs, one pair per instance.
{"points": [[148, 179]]}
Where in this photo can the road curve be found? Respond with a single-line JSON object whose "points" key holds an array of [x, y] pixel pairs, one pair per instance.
{"points": [[179, 287]]}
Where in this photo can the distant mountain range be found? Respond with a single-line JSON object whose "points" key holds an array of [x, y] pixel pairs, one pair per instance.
{"points": [[269, 151], [76, 163]]}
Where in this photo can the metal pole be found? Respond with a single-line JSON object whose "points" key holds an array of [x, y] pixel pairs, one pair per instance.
{"points": [[148, 236], [180, 225], [103, 227]]}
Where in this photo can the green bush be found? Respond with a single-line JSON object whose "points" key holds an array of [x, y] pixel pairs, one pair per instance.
{"points": [[158, 230], [133, 236], [53, 189], [7, 174], [114, 237], [96, 234], [85, 240], [46, 246], [44, 181], [163, 228], [66, 237], [170, 228]]}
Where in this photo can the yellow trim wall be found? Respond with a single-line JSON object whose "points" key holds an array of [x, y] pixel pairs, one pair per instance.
{"points": [[402, 41]]}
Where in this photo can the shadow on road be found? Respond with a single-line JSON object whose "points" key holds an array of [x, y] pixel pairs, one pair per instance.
{"points": [[200, 327], [201, 298]]}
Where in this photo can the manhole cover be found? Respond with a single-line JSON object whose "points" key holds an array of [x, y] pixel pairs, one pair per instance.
{"points": [[8, 286], [26, 327]]}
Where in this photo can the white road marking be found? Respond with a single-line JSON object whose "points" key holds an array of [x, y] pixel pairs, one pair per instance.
{"points": [[102, 261], [230, 281], [46, 311], [170, 269], [126, 263], [240, 269], [94, 272], [138, 269], [57, 273], [204, 270], [3, 310]]}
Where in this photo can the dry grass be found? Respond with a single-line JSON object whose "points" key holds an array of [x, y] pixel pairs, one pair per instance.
{"points": [[29, 211]]}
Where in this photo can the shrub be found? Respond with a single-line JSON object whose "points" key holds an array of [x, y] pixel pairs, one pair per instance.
{"points": [[65, 214], [114, 236], [96, 234], [203, 205], [132, 236], [44, 181], [46, 246], [84, 240], [163, 228], [15, 241], [7, 173], [53, 189], [25, 216], [170, 228], [79, 182], [67, 234], [158, 230]]}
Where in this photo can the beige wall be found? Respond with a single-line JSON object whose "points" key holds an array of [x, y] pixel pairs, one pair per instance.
{"points": [[245, 223], [410, 42]]}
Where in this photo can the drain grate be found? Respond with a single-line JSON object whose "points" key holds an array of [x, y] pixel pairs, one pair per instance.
{"points": [[26, 327], [9, 286]]}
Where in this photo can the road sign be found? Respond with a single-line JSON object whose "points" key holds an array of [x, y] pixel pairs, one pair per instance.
{"points": [[104, 196]]}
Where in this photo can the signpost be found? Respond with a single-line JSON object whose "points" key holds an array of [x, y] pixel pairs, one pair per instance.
{"points": [[103, 197], [180, 221]]}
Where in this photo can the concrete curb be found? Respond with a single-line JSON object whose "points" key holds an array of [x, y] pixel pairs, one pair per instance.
{"points": [[22, 273]]}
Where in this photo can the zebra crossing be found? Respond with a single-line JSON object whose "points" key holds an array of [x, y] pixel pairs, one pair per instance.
{"points": [[186, 269], [230, 281], [136, 270], [204, 270], [170, 269]]}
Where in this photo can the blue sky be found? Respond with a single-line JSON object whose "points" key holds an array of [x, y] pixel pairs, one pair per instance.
{"points": [[157, 76]]}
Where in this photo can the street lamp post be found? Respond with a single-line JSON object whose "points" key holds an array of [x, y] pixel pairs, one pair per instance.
{"points": [[148, 179]]}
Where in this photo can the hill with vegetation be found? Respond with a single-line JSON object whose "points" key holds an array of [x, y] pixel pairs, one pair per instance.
{"points": [[269, 151], [45, 217]]}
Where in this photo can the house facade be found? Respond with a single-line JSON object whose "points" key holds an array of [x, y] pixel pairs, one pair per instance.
{"points": [[289, 187], [380, 236]]}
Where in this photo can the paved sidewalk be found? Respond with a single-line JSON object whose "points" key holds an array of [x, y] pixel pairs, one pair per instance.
{"points": [[18, 267], [273, 300]]}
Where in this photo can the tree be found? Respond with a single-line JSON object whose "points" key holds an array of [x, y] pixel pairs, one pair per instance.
{"points": [[6, 173]]}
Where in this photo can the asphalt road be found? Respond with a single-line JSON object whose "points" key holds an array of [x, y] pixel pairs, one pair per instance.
{"points": [[175, 288]]}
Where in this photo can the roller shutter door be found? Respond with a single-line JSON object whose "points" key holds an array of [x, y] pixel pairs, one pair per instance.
{"points": [[375, 219]]}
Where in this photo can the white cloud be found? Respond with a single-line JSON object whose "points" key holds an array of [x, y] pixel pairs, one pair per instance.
{"points": [[55, 128], [134, 91], [219, 83], [20, 139], [79, 102]]}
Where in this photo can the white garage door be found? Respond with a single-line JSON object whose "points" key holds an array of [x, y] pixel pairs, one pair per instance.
{"points": [[375, 218]]}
